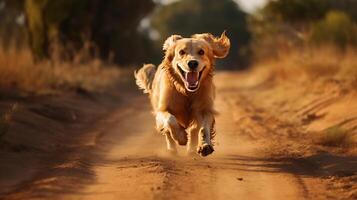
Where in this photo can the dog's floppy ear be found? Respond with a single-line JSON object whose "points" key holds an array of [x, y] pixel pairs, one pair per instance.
{"points": [[170, 41], [220, 46]]}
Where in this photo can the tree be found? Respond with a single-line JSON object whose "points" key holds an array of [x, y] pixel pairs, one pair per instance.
{"points": [[187, 17], [12, 31], [67, 30], [284, 25], [336, 28], [308, 10]]}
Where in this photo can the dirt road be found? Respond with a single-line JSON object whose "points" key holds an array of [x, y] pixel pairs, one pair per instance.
{"points": [[125, 159]]}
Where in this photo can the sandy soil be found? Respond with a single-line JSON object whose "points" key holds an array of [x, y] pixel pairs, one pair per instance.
{"points": [[257, 156]]}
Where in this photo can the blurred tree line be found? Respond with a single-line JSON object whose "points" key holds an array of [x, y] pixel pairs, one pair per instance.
{"points": [[187, 17], [11, 23], [78, 30], [284, 25], [81, 29], [114, 31]]}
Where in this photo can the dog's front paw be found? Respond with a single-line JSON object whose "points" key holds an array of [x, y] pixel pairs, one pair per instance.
{"points": [[205, 150]]}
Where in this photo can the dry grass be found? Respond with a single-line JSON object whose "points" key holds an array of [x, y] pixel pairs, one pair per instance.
{"points": [[324, 62], [18, 71], [301, 78]]}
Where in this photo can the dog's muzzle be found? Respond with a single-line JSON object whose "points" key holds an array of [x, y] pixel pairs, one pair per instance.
{"points": [[191, 78]]}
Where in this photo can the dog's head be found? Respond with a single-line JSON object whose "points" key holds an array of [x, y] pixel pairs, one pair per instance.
{"points": [[193, 58]]}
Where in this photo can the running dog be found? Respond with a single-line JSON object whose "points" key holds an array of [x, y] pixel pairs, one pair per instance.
{"points": [[182, 92]]}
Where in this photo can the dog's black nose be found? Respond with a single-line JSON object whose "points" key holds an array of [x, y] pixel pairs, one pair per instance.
{"points": [[192, 64]]}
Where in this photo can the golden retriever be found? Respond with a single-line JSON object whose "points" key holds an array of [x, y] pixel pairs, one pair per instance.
{"points": [[182, 92]]}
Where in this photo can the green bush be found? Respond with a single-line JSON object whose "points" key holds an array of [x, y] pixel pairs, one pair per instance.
{"points": [[336, 28], [294, 11]]}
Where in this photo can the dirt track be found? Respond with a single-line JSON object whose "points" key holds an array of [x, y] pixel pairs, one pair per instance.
{"points": [[125, 159]]}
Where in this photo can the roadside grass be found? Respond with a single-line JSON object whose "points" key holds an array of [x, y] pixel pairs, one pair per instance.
{"points": [[325, 62], [335, 136], [312, 70], [17, 71]]}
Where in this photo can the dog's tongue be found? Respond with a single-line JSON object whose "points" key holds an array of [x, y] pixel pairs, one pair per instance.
{"points": [[192, 78]]}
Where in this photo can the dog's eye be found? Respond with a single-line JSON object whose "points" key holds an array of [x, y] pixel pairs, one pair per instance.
{"points": [[182, 52], [201, 52]]}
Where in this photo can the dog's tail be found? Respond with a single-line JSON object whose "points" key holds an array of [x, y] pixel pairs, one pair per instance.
{"points": [[145, 76]]}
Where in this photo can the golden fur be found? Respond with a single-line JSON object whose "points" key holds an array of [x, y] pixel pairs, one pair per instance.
{"points": [[184, 107]]}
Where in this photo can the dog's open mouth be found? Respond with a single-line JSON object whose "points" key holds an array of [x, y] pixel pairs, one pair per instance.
{"points": [[192, 78]]}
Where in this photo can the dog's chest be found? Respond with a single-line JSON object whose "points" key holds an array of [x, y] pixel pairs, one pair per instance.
{"points": [[181, 109]]}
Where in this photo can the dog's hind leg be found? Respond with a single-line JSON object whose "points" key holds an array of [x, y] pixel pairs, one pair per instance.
{"points": [[167, 123]]}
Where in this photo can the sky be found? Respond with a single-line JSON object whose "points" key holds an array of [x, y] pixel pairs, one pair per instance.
{"points": [[247, 5], [251, 5]]}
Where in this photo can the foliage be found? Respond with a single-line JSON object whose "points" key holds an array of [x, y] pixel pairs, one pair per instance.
{"points": [[286, 25], [104, 29], [296, 10], [336, 28], [187, 17], [12, 33]]}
